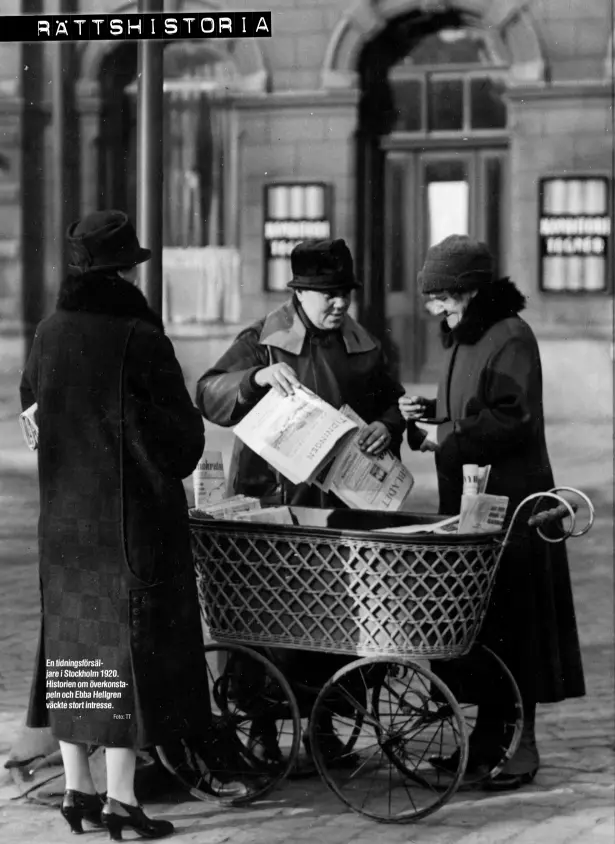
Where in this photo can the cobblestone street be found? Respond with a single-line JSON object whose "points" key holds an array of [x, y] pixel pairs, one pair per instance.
{"points": [[571, 800]]}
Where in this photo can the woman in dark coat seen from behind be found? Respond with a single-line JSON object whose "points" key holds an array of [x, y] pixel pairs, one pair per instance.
{"points": [[491, 394], [117, 433]]}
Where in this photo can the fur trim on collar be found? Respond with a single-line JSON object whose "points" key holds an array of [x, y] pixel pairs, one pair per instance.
{"points": [[105, 293], [494, 302]]}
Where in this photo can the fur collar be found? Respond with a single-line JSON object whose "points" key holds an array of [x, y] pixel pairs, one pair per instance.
{"points": [[105, 293], [494, 302]]}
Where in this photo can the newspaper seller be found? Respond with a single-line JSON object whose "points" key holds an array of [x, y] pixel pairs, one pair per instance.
{"points": [[491, 393], [310, 340]]}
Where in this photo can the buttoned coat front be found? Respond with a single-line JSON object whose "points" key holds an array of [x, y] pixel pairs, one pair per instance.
{"points": [[118, 432]]}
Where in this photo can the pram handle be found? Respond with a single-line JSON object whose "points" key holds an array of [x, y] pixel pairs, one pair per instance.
{"points": [[554, 515], [564, 509]]}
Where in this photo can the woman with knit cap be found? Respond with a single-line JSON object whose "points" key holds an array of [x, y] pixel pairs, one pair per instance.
{"points": [[490, 396]]}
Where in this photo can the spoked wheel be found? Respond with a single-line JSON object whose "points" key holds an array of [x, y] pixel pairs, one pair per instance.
{"points": [[306, 692], [387, 775], [477, 680], [253, 740], [342, 730]]}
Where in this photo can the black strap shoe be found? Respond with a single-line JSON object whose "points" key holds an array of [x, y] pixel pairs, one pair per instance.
{"points": [[78, 807], [117, 816]]}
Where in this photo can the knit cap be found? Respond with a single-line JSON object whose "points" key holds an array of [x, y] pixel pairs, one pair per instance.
{"points": [[456, 264]]}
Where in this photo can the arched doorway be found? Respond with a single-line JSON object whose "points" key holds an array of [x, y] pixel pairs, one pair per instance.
{"points": [[432, 159]]}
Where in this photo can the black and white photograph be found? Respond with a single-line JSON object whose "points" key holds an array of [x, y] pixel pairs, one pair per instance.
{"points": [[306, 421]]}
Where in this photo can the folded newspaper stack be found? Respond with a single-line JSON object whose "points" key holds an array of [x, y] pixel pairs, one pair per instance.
{"points": [[482, 513], [29, 426], [230, 508], [479, 514], [268, 515], [309, 441]]}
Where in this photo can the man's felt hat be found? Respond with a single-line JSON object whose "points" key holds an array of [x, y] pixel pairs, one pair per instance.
{"points": [[104, 240], [323, 265]]}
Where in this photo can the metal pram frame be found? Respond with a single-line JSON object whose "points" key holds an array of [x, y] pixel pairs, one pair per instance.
{"points": [[393, 602]]}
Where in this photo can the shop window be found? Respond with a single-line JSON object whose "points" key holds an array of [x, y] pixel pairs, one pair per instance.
{"points": [[196, 145], [452, 82], [196, 148], [575, 235]]}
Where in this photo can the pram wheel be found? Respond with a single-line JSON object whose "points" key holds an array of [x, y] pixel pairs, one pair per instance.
{"points": [[480, 679], [253, 740], [388, 776]]}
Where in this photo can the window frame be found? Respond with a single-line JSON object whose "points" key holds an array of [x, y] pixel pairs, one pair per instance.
{"points": [[496, 69]]}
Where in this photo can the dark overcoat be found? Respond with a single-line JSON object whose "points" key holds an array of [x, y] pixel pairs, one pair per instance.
{"points": [[491, 393], [118, 432], [342, 367]]}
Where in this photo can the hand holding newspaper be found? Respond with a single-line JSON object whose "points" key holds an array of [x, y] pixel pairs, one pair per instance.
{"points": [[296, 434], [309, 441], [28, 421], [365, 482]]}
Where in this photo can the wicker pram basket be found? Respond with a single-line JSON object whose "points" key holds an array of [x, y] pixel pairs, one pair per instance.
{"points": [[343, 591]]}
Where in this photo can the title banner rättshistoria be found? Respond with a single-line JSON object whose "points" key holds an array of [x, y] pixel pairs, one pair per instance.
{"points": [[144, 27]]}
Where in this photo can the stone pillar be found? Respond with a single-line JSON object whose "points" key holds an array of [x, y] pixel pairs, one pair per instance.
{"points": [[89, 107]]}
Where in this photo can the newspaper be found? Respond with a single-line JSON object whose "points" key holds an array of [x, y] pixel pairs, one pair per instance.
{"points": [[449, 525], [364, 482], [268, 515], [229, 508], [297, 435], [483, 478], [208, 480], [479, 514], [28, 421], [482, 513]]}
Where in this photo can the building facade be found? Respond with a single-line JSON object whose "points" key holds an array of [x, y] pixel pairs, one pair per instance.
{"points": [[391, 123]]}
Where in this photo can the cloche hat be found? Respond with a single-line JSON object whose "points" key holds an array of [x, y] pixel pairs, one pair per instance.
{"points": [[104, 240]]}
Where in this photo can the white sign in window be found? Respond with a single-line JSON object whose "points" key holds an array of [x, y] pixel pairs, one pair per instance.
{"points": [[293, 212], [575, 235]]}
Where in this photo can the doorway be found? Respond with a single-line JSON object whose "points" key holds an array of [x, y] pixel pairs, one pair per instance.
{"points": [[430, 194], [432, 155]]}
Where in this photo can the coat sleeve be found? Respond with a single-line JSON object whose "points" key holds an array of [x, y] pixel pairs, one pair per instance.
{"points": [[162, 424], [504, 420], [415, 436], [226, 392], [386, 407], [28, 388]]}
